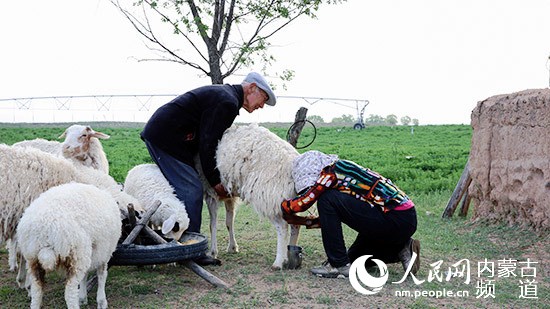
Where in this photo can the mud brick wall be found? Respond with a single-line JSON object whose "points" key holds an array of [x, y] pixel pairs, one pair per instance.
{"points": [[510, 158]]}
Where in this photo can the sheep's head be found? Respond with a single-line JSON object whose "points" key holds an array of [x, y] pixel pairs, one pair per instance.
{"points": [[77, 140], [178, 222], [171, 228]]}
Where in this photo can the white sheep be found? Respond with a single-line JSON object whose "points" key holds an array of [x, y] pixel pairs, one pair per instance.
{"points": [[255, 164], [25, 173], [74, 227], [213, 202], [81, 146], [53, 147], [146, 183]]}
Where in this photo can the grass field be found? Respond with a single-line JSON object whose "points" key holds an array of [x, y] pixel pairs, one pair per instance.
{"points": [[426, 165]]}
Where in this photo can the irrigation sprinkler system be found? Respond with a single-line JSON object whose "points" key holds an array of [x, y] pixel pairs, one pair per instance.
{"points": [[144, 103]]}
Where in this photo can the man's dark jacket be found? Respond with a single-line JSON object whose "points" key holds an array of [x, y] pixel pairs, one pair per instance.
{"points": [[193, 123]]}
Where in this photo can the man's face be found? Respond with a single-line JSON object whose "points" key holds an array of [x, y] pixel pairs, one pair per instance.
{"points": [[255, 99]]}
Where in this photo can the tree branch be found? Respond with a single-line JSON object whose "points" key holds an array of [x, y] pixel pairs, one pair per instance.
{"points": [[198, 22], [224, 49], [175, 25]]}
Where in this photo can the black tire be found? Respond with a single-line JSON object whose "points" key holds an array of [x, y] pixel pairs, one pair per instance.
{"points": [[160, 254], [358, 126]]}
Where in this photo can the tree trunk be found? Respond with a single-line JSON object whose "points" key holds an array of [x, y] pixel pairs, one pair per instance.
{"points": [[214, 63]]}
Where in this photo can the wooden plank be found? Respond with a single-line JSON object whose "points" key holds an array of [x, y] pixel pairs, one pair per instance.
{"points": [[217, 282], [465, 204], [156, 237], [458, 193]]}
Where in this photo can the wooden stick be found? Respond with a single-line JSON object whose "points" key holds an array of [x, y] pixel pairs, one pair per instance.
{"points": [[141, 223], [131, 215], [156, 237], [465, 204], [458, 193], [297, 129], [217, 282]]}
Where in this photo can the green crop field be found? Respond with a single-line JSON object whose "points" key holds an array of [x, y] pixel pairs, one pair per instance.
{"points": [[425, 162]]}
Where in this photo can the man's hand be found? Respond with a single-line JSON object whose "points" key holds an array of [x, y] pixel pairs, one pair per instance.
{"points": [[221, 191]]}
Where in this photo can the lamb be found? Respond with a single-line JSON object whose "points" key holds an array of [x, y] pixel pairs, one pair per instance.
{"points": [[81, 146], [74, 227], [146, 183], [212, 201], [256, 165], [26, 172]]}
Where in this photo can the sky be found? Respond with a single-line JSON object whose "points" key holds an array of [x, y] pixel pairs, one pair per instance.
{"points": [[431, 60]]}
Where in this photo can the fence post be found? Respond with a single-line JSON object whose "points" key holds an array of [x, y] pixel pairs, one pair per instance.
{"points": [[297, 127], [460, 189]]}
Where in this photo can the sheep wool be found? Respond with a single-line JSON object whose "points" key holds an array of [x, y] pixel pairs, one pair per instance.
{"points": [[75, 227], [53, 147], [25, 173], [256, 165], [147, 184]]}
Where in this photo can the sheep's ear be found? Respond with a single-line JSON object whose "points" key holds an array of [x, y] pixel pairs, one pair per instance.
{"points": [[168, 224], [100, 135]]}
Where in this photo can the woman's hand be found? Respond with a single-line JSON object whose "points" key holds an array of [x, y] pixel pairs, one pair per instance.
{"points": [[310, 222]]}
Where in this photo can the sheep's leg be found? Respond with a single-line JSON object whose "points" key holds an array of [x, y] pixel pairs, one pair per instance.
{"points": [[230, 222], [294, 234], [22, 276], [16, 261], [282, 241], [71, 288], [37, 275], [12, 256], [101, 298], [213, 204], [83, 291], [28, 281]]}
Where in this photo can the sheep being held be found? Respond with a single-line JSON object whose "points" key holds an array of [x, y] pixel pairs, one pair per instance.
{"points": [[256, 165], [74, 227], [147, 184]]}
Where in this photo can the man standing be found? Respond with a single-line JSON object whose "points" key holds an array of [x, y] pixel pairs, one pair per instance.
{"points": [[193, 123]]}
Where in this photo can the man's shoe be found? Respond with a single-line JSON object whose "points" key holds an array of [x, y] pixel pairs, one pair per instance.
{"points": [[205, 260], [327, 271], [405, 255]]}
